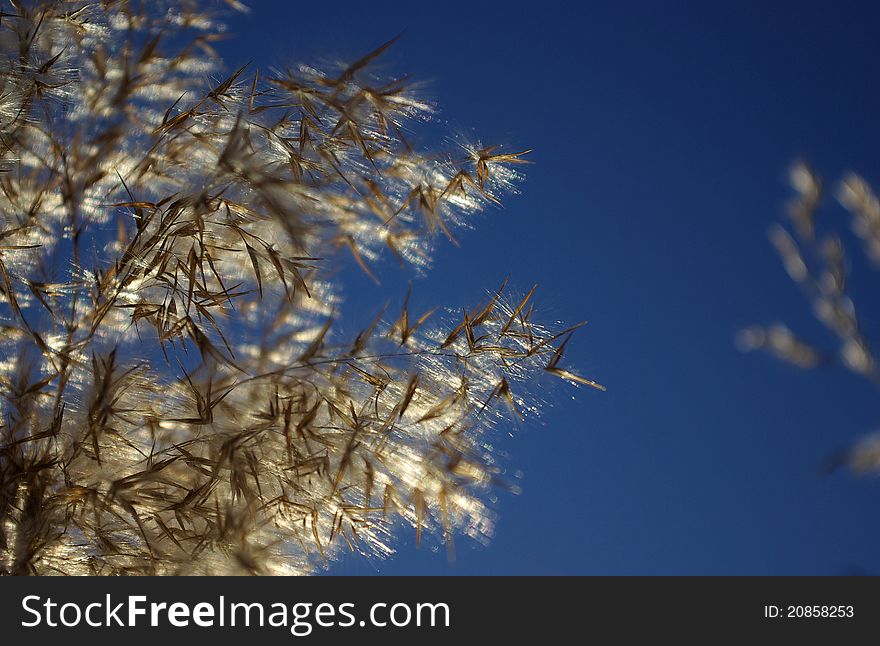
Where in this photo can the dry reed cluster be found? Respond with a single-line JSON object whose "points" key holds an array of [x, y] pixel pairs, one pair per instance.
{"points": [[174, 397]]}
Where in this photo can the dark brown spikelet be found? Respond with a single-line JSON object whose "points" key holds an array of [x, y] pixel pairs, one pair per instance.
{"points": [[174, 396]]}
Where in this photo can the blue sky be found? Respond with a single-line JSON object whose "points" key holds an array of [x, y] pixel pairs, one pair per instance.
{"points": [[662, 134]]}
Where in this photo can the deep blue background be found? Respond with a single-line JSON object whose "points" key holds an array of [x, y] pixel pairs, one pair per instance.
{"points": [[662, 134]]}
